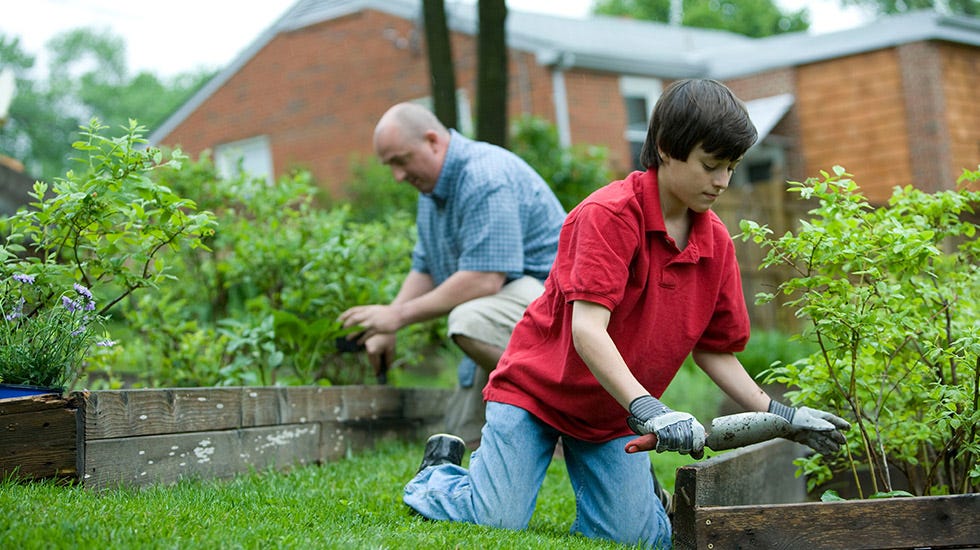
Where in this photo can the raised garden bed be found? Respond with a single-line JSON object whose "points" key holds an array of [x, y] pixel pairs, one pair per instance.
{"points": [[139, 437], [750, 498]]}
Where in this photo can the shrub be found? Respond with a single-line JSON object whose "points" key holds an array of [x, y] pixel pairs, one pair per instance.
{"points": [[101, 230], [572, 172], [892, 297], [259, 305]]}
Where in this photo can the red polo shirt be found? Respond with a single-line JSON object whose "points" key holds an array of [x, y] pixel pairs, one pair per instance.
{"points": [[614, 251]]}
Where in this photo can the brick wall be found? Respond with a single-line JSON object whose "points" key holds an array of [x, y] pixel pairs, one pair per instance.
{"points": [[961, 78], [317, 92], [853, 113]]}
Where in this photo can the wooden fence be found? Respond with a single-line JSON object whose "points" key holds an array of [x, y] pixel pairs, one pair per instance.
{"points": [[766, 203]]}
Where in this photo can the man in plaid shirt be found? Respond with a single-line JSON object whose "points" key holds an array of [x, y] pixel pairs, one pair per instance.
{"points": [[488, 229]]}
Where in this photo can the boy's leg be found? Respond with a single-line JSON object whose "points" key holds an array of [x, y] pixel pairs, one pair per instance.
{"points": [[501, 486], [615, 498]]}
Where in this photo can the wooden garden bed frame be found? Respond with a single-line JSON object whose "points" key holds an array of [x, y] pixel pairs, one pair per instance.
{"points": [[751, 498], [138, 437]]}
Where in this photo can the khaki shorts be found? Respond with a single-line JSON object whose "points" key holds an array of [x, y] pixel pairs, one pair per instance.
{"points": [[491, 319]]}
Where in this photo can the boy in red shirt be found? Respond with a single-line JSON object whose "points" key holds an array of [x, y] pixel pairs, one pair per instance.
{"points": [[645, 275]]}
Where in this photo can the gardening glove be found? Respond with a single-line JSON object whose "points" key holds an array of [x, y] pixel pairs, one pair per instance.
{"points": [[816, 429], [675, 431]]}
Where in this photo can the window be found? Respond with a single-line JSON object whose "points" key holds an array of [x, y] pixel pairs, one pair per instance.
{"points": [[251, 156], [639, 97]]}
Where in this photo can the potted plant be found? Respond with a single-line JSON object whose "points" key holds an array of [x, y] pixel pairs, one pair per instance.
{"points": [[44, 339], [891, 297]]}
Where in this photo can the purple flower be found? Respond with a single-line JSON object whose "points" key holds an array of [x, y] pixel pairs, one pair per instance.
{"points": [[83, 291], [70, 305], [106, 343], [18, 311], [24, 278]]}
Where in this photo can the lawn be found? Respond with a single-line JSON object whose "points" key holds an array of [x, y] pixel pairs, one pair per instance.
{"points": [[353, 503]]}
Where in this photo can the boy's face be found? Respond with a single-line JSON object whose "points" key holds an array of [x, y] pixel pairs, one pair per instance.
{"points": [[695, 183]]}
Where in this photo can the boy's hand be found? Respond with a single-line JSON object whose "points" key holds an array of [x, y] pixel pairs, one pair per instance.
{"points": [[674, 431], [816, 429]]}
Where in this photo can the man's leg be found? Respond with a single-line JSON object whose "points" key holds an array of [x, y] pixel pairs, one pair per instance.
{"points": [[482, 328]]}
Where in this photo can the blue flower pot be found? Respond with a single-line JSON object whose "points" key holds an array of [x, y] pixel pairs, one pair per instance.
{"points": [[19, 390]]}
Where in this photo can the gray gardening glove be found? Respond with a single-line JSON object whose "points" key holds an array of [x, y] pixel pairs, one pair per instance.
{"points": [[816, 429], [675, 431]]}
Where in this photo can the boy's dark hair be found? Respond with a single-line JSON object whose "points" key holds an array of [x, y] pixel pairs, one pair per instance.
{"points": [[698, 111]]}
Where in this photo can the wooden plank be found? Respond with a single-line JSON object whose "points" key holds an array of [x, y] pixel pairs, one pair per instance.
{"points": [[208, 454], [370, 403], [40, 443], [735, 478], [17, 405], [425, 403], [127, 413], [913, 522]]}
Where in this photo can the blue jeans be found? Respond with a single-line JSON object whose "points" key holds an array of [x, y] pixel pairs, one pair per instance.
{"points": [[614, 495]]}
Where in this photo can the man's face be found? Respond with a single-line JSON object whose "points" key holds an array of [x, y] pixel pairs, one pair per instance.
{"points": [[414, 161]]}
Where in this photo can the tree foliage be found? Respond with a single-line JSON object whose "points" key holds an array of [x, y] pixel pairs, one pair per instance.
{"points": [[755, 18], [890, 7], [86, 78]]}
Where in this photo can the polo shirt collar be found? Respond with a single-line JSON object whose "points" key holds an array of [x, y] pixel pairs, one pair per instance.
{"points": [[452, 166], [699, 242]]}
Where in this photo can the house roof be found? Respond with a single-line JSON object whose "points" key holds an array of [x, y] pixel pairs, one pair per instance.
{"points": [[622, 45]]}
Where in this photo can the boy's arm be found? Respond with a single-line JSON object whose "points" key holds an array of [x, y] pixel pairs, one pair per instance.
{"points": [[674, 431], [728, 373], [597, 349]]}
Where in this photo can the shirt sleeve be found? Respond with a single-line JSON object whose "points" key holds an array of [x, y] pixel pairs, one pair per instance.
{"points": [[595, 249]]}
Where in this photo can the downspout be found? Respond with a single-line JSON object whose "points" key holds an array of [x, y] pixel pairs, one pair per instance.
{"points": [[560, 97]]}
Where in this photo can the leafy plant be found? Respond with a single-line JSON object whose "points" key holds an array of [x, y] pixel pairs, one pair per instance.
{"points": [[100, 231], [259, 304], [572, 172], [892, 296]]}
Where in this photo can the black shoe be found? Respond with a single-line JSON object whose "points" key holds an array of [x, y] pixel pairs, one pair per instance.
{"points": [[665, 498], [442, 449]]}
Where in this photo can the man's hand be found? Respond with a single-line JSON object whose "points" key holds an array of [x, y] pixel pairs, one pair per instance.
{"points": [[374, 319], [674, 431], [814, 428]]}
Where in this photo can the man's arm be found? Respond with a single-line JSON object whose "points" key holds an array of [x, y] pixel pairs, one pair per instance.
{"points": [[418, 300]]}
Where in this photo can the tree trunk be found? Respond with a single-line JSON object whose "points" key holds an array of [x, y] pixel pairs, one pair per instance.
{"points": [[491, 95], [439, 49]]}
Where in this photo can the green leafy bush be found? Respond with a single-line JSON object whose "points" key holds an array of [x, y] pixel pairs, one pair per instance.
{"points": [[102, 230], [572, 172], [259, 305], [893, 300]]}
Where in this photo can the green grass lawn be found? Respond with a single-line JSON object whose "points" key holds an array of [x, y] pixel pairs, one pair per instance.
{"points": [[353, 503]]}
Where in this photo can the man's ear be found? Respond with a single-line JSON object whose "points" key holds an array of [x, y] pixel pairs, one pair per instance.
{"points": [[436, 141]]}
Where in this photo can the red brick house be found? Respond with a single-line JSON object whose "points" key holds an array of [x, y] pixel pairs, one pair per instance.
{"points": [[895, 102]]}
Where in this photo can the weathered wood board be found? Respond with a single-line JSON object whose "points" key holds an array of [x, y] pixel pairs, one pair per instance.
{"points": [[139, 437], [751, 498], [38, 436]]}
